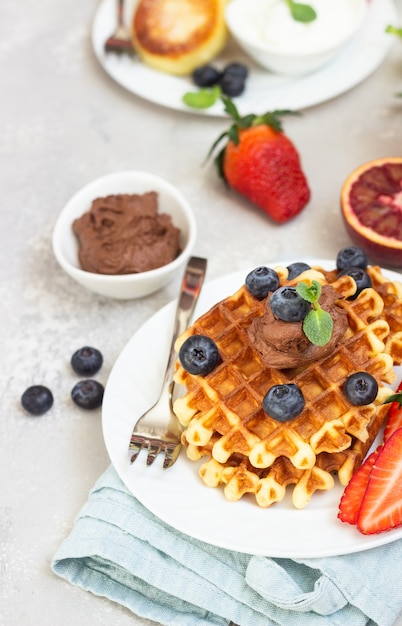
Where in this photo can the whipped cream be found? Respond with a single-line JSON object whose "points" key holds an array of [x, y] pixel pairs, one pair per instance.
{"points": [[271, 23]]}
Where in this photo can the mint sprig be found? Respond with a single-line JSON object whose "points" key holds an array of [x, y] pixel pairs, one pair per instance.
{"points": [[395, 397], [301, 12], [318, 324], [393, 30], [202, 99]]}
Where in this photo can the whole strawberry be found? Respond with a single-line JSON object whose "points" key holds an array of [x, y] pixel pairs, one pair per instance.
{"points": [[262, 164]]}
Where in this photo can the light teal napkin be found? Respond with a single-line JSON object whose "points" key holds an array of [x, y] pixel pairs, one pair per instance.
{"points": [[119, 550]]}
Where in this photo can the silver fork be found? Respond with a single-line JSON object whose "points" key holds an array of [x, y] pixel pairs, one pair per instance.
{"points": [[121, 40], [159, 430]]}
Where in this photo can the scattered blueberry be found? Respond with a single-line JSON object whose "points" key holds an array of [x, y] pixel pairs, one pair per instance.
{"points": [[261, 281], [287, 305], [206, 76], [37, 399], [297, 268], [361, 388], [88, 394], [351, 257], [361, 278], [283, 402], [236, 69], [86, 361], [233, 79], [232, 86], [199, 355]]}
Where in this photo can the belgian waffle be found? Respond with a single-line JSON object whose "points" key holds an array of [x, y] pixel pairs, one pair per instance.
{"points": [[391, 293], [253, 453]]}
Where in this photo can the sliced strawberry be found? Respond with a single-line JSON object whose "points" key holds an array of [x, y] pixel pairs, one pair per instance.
{"points": [[381, 508], [394, 418], [352, 497]]}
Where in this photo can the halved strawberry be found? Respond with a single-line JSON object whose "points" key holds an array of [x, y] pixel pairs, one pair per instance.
{"points": [[352, 497], [381, 508], [394, 418]]}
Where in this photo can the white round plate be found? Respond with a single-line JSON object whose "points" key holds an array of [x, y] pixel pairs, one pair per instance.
{"points": [[177, 495], [265, 91]]}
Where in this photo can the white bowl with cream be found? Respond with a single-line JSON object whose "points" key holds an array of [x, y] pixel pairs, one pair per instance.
{"points": [[267, 32], [134, 285]]}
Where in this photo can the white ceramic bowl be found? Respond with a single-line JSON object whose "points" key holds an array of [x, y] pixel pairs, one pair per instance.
{"points": [[266, 31], [125, 286]]}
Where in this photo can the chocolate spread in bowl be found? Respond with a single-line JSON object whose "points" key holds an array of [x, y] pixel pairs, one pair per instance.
{"points": [[125, 234]]}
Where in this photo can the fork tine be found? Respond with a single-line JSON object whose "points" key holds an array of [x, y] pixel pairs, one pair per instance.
{"points": [[171, 453], [134, 456], [136, 445], [154, 449], [119, 45]]}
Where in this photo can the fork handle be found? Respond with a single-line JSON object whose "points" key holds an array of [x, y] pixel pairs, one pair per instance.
{"points": [[190, 290], [120, 13]]}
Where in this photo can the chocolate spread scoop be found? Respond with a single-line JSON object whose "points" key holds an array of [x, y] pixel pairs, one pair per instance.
{"points": [[125, 234], [284, 345]]}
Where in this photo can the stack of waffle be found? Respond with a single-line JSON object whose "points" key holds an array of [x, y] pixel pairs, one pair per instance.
{"points": [[249, 452]]}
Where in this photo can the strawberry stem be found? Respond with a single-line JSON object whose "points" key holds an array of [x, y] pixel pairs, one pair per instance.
{"points": [[271, 118], [396, 397], [230, 108]]}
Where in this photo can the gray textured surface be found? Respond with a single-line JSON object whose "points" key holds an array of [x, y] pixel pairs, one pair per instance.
{"points": [[64, 123]]}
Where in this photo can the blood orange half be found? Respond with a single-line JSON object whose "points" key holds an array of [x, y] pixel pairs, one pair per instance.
{"points": [[371, 202]]}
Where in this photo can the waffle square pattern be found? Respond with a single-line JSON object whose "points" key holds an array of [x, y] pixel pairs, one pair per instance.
{"points": [[244, 450]]}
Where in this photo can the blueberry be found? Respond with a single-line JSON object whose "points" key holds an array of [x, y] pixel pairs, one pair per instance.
{"points": [[232, 85], [351, 257], [206, 76], [287, 305], [86, 361], [199, 355], [236, 69], [261, 281], [37, 399], [361, 388], [88, 394], [283, 402], [297, 268], [233, 79], [361, 278]]}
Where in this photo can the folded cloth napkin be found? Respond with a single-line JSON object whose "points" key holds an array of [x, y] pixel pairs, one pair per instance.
{"points": [[119, 550]]}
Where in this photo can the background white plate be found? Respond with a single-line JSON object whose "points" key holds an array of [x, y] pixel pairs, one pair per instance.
{"points": [[265, 91], [178, 496]]}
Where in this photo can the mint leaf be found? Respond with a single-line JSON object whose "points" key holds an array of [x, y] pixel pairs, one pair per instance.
{"points": [[395, 397], [318, 324], [301, 12], [202, 99], [310, 293], [392, 30]]}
